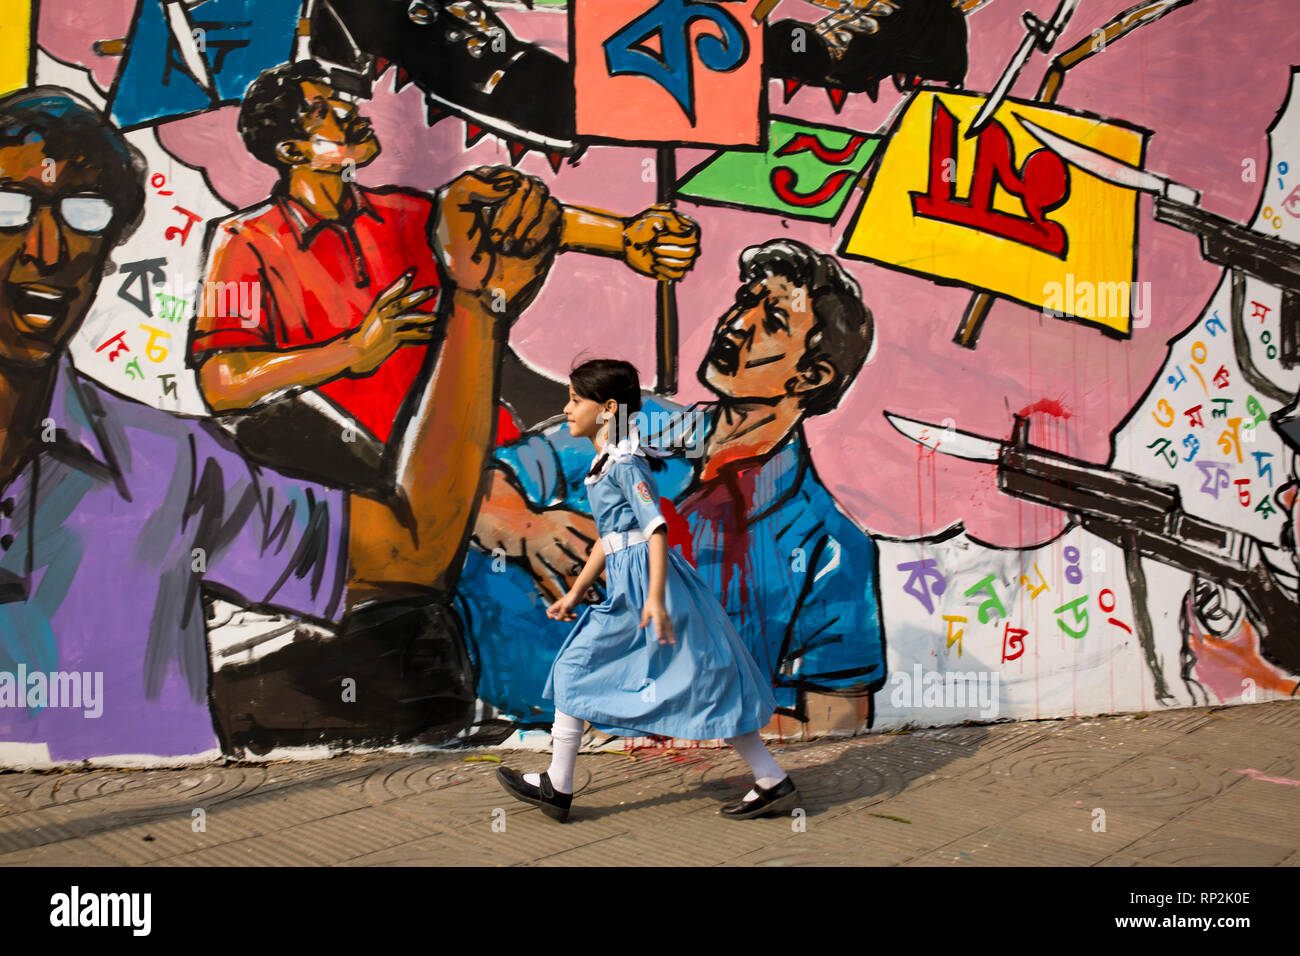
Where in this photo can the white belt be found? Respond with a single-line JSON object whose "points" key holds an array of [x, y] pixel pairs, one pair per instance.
{"points": [[615, 541]]}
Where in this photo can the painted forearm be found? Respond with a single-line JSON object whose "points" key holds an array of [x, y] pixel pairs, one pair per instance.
{"points": [[441, 466], [592, 232], [440, 470], [504, 517], [231, 381]]}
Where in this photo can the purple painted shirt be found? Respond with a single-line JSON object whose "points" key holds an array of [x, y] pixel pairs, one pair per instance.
{"points": [[99, 569]]}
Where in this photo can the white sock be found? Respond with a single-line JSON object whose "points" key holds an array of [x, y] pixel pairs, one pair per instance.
{"points": [[767, 773], [566, 738]]}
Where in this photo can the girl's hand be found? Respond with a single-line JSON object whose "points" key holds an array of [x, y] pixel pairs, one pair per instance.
{"points": [[562, 610], [655, 611]]}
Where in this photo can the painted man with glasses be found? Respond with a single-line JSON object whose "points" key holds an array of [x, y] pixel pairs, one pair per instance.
{"points": [[114, 514]]}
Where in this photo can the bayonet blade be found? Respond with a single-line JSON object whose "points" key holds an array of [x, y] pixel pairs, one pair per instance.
{"points": [[1109, 168], [999, 92], [950, 441], [1032, 39]]}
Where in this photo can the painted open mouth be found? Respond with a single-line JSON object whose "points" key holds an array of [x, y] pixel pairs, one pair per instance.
{"points": [[38, 310]]}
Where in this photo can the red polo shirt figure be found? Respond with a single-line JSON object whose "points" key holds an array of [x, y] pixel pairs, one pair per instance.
{"points": [[343, 282], [318, 279]]}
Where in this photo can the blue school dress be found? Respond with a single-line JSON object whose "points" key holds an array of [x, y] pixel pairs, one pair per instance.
{"points": [[617, 675]]}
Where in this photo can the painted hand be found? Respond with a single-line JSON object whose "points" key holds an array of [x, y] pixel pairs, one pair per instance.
{"points": [[661, 243], [497, 234], [556, 550], [391, 323]]}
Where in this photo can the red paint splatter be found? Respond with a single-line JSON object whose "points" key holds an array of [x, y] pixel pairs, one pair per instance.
{"points": [[1047, 406], [721, 504], [679, 530], [507, 430]]}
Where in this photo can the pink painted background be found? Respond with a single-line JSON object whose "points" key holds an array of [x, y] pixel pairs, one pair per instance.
{"points": [[1207, 79]]}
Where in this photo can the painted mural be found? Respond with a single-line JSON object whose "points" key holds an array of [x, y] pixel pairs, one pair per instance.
{"points": [[970, 335]]}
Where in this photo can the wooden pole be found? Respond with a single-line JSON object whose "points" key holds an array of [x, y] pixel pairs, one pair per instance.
{"points": [[666, 294]]}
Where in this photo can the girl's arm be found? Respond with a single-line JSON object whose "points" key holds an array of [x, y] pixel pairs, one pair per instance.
{"points": [[595, 568], [658, 563], [655, 609]]}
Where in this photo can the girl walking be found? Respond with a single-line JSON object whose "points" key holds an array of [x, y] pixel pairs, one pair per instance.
{"points": [[692, 676]]}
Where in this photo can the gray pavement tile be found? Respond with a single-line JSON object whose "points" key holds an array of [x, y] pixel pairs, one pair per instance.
{"points": [[144, 842], [80, 819], [1254, 809], [995, 846], [473, 804], [1044, 768], [634, 849], [286, 807], [860, 838], [433, 851], [67, 853], [1120, 859], [266, 849], [814, 848], [1230, 746], [1285, 711], [1155, 783], [407, 778], [22, 831], [1190, 844], [146, 789], [984, 800], [1070, 822], [342, 837], [643, 802], [534, 836], [713, 838], [1240, 741], [915, 821]]}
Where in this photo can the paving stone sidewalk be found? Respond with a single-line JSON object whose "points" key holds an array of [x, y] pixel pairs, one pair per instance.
{"points": [[1199, 787]]}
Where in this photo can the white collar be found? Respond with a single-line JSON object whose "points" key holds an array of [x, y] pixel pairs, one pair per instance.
{"points": [[623, 451]]}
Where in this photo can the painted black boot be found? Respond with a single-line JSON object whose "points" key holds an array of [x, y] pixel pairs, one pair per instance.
{"points": [[854, 49], [464, 59]]}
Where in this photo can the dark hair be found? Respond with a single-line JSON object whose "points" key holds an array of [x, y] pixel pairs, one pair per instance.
{"points": [[72, 130], [273, 107], [842, 333], [603, 379]]}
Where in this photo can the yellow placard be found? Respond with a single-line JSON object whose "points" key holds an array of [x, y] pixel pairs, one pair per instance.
{"points": [[15, 44], [1001, 212]]}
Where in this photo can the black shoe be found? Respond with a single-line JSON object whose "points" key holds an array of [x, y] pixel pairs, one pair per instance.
{"points": [[553, 803], [464, 59], [853, 50], [780, 799]]}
